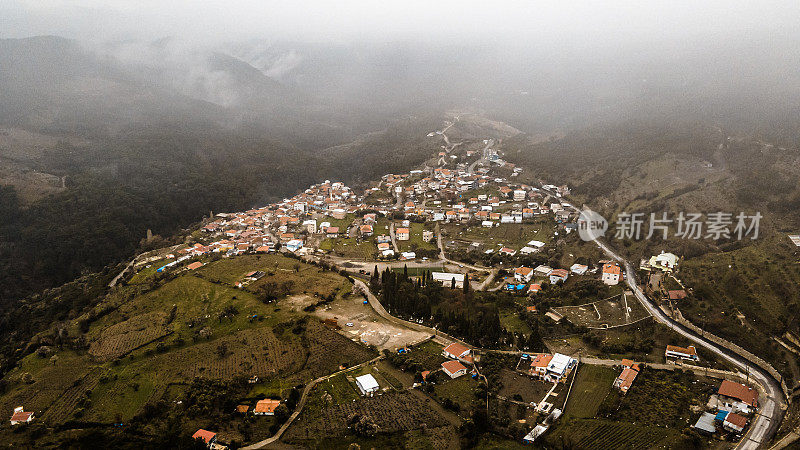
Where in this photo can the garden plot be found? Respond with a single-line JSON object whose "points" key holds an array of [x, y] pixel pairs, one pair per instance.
{"points": [[613, 312]]}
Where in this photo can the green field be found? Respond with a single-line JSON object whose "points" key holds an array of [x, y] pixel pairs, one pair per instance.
{"points": [[507, 234], [592, 385], [185, 326], [460, 391], [415, 241]]}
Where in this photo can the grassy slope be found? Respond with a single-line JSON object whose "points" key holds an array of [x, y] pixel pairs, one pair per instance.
{"points": [[79, 386]]}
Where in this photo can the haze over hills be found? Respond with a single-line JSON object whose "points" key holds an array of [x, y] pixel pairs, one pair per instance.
{"points": [[110, 138]]}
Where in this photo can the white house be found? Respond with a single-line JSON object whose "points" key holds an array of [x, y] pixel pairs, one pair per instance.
{"points": [[673, 351], [536, 244], [447, 278], [310, 225], [558, 276], [611, 274], [523, 274], [664, 261], [559, 367], [578, 269], [367, 385]]}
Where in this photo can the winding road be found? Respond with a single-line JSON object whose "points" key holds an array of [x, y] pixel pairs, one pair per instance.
{"points": [[768, 418]]}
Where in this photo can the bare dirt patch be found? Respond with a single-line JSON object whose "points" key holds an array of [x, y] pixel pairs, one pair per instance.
{"points": [[367, 326]]}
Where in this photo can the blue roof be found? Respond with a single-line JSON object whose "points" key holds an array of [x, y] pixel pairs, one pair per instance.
{"points": [[721, 415]]}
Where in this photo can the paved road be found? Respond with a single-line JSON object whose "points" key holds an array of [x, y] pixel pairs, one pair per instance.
{"points": [[766, 423], [482, 159]]}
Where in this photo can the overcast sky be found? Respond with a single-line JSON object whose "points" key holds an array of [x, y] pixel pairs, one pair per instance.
{"points": [[580, 22]]}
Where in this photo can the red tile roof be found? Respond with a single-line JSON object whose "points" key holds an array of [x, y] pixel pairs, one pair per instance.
{"points": [[266, 406], [736, 419], [456, 349], [21, 416], [453, 366], [739, 391], [205, 435]]}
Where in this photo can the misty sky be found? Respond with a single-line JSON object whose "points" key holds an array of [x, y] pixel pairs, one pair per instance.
{"points": [[581, 23]]}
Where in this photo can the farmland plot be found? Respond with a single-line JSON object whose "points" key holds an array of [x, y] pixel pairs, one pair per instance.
{"points": [[124, 337], [391, 411], [602, 435], [592, 385], [613, 312]]}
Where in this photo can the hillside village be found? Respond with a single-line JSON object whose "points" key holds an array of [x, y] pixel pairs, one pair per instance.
{"points": [[466, 225]]}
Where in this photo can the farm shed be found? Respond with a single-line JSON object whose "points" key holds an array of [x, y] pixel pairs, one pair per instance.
{"points": [[367, 384]]}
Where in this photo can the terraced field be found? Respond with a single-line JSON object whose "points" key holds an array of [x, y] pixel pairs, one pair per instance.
{"points": [[605, 435]]}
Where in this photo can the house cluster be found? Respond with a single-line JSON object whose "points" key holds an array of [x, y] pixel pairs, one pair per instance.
{"points": [[530, 279], [287, 222], [630, 370], [265, 407], [549, 367], [459, 355], [443, 195], [729, 409], [439, 195]]}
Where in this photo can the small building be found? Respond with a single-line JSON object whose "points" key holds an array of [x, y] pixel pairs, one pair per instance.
{"points": [[537, 431], [578, 269], [427, 235], [455, 351], [195, 265], [558, 276], [689, 353], [294, 245], [209, 437], [666, 262], [332, 232], [625, 380], [677, 294], [408, 255], [266, 407], [367, 385], [454, 369], [705, 424], [21, 416], [534, 288], [523, 274], [508, 251], [543, 270], [402, 234], [734, 423], [559, 367], [366, 230], [447, 278], [737, 396], [611, 274], [536, 244], [539, 363], [242, 409]]}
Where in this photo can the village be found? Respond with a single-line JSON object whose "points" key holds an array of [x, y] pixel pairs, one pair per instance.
{"points": [[465, 221]]}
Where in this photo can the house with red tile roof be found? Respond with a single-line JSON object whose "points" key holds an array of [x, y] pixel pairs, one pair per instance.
{"points": [[209, 437], [455, 351], [266, 407], [21, 416], [454, 369]]}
